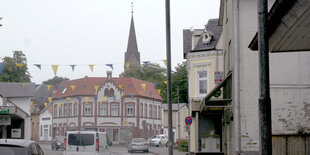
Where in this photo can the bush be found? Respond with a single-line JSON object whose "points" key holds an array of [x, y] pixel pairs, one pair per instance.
{"points": [[183, 144]]}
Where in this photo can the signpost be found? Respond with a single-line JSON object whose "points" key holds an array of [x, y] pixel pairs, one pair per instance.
{"points": [[188, 120]]}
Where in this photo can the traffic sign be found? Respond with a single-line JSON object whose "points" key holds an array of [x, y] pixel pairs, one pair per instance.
{"points": [[188, 120]]}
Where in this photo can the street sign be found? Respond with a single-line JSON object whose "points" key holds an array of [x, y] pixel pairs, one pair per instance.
{"points": [[218, 77], [188, 120]]}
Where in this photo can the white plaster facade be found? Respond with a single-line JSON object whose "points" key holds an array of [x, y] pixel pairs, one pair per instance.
{"points": [[45, 126]]}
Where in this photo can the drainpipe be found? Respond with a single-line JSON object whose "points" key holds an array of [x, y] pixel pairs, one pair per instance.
{"points": [[237, 75]]}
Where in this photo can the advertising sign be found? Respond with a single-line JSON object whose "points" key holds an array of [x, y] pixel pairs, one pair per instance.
{"points": [[16, 133], [218, 77]]}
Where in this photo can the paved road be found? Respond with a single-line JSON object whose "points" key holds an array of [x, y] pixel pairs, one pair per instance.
{"points": [[116, 150]]}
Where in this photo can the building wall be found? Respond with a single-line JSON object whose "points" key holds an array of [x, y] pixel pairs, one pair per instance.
{"points": [[45, 126], [35, 126]]}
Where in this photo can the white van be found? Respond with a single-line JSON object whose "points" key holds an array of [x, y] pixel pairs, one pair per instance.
{"points": [[85, 143]]}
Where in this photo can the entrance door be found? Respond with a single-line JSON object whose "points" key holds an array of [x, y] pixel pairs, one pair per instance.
{"points": [[45, 134]]}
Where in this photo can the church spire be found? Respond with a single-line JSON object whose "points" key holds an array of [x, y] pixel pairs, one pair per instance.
{"points": [[132, 55]]}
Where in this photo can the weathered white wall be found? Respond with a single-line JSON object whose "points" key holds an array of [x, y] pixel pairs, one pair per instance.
{"points": [[46, 114]]}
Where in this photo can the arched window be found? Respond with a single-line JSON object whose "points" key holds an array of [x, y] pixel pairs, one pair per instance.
{"points": [[106, 92], [111, 92]]}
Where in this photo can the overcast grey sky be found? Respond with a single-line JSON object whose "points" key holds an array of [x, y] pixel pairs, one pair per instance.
{"points": [[83, 32]]}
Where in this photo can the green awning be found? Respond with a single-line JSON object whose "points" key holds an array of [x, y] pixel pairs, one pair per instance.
{"points": [[210, 101]]}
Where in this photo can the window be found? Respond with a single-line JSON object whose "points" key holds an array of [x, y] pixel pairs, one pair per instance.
{"points": [[141, 110], [65, 110], [145, 110], [70, 109], [81, 139], [75, 109], [203, 82], [87, 109], [129, 110], [103, 109], [150, 111], [60, 110], [55, 110], [155, 112], [114, 110]]}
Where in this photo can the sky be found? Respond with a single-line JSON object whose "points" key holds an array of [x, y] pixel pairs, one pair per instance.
{"points": [[84, 32]]}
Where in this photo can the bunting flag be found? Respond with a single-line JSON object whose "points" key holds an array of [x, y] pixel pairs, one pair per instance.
{"points": [[120, 86], [19, 66], [72, 67], [105, 98], [155, 84], [158, 90], [86, 100], [68, 98], [45, 104], [31, 102], [55, 68], [49, 99], [127, 65], [100, 102], [49, 87], [143, 85], [131, 96], [73, 87], [61, 87], [59, 105], [96, 88], [38, 65], [91, 68], [165, 62], [150, 93], [73, 103], [110, 65], [165, 82], [2, 65], [25, 84]]}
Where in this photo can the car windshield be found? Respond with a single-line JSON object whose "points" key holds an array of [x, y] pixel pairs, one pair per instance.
{"points": [[81, 139], [12, 150], [142, 140]]}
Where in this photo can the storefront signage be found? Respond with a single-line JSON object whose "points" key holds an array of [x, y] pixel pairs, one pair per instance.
{"points": [[7, 110], [218, 77], [5, 119], [16, 133]]}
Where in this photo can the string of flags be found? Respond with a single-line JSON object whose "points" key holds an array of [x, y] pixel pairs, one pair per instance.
{"points": [[55, 67]]}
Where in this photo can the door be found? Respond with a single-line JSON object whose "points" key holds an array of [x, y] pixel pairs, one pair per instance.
{"points": [[45, 134]]}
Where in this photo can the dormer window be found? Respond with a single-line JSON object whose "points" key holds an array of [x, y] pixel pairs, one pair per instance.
{"points": [[207, 37]]}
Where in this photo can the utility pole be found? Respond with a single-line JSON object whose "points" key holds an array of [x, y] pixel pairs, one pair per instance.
{"points": [[168, 54], [264, 99]]}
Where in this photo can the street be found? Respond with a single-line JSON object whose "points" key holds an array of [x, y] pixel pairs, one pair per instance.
{"points": [[116, 150]]}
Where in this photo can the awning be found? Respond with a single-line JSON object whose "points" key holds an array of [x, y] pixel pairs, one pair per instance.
{"points": [[288, 27], [211, 102]]}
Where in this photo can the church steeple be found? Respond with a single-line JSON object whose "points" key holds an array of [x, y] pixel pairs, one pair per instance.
{"points": [[132, 55]]}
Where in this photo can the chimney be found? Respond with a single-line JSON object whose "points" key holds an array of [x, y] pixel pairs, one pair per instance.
{"points": [[109, 75]]}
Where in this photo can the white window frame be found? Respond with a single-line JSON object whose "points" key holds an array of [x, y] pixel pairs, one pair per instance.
{"points": [[86, 111], [129, 109], [114, 110], [202, 67], [103, 109]]}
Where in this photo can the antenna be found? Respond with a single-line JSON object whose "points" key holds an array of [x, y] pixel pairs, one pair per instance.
{"points": [[131, 7]]}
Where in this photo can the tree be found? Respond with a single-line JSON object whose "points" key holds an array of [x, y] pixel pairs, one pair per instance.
{"points": [[55, 80], [13, 73], [180, 81]]}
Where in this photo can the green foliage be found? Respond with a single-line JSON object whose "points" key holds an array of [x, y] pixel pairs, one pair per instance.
{"points": [[154, 73], [55, 80], [11, 72], [183, 144]]}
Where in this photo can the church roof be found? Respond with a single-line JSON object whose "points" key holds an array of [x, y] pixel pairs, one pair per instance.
{"points": [[132, 47]]}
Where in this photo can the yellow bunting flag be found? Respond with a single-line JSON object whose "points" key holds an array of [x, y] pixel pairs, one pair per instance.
{"points": [[120, 86], [55, 68], [100, 102], [86, 100], [25, 84], [158, 90], [45, 104], [49, 99], [31, 103], [165, 82], [96, 88], [19, 66], [68, 98], [91, 67], [59, 105], [165, 62], [127, 65], [49, 87], [122, 94], [73, 87], [73, 102], [143, 85], [105, 98]]}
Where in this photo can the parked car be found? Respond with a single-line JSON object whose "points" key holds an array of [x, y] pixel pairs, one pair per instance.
{"points": [[159, 140], [19, 147], [138, 144], [58, 143], [85, 143], [148, 141]]}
